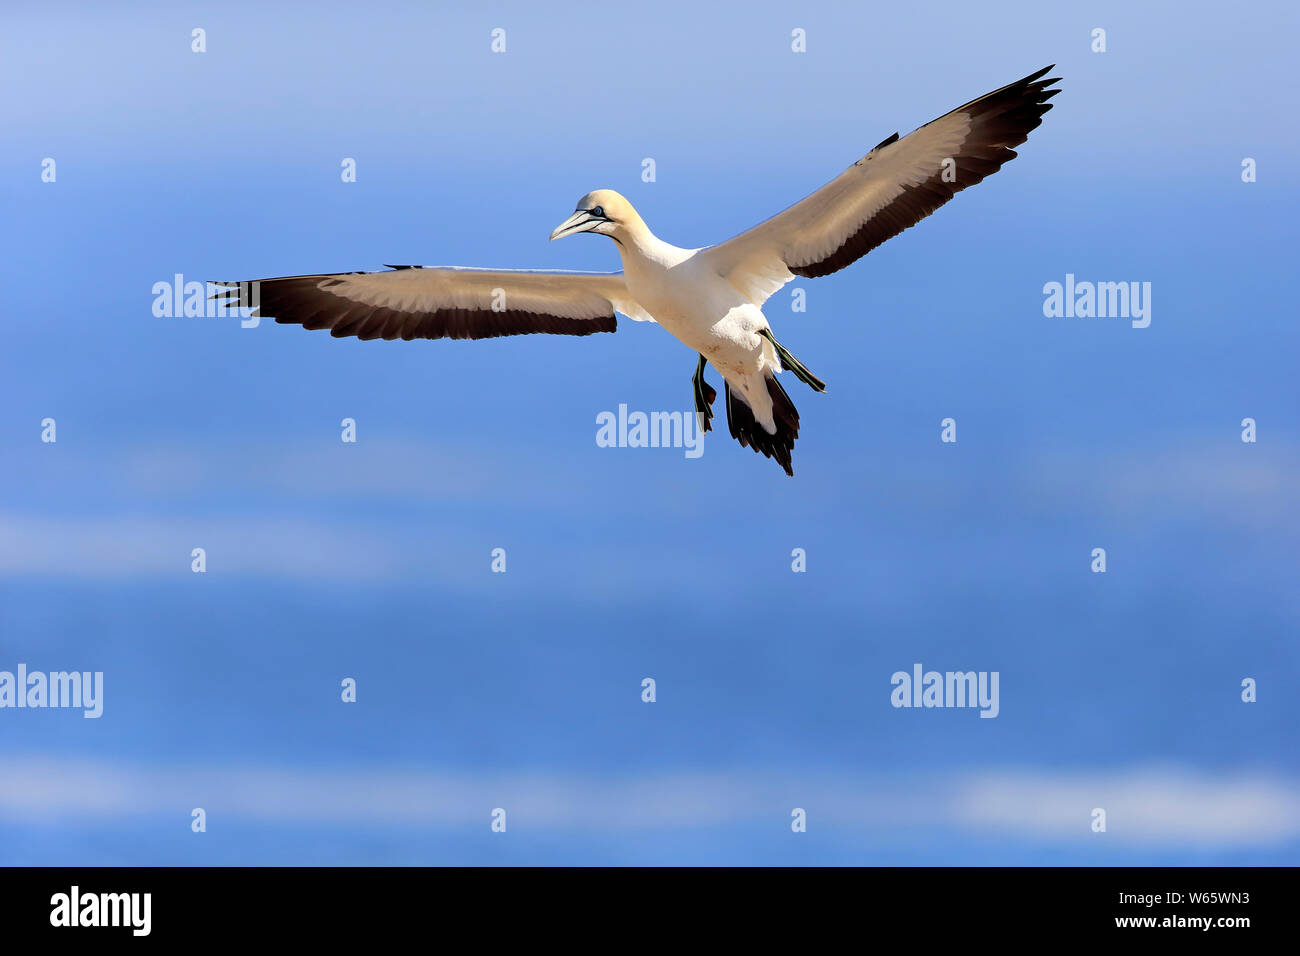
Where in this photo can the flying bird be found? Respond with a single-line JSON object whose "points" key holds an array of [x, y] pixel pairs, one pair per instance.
{"points": [[710, 298]]}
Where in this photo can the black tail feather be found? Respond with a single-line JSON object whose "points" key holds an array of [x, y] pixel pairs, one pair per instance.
{"points": [[750, 434]]}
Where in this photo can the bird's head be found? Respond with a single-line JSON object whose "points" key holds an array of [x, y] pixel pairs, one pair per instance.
{"points": [[603, 211]]}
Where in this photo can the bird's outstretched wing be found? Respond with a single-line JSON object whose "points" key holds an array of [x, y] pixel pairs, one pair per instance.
{"points": [[894, 186], [440, 302]]}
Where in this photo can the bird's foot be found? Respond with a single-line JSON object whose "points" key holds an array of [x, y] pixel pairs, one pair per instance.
{"points": [[704, 396], [792, 364]]}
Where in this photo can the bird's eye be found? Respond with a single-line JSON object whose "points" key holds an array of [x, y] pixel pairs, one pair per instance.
{"points": [[599, 211]]}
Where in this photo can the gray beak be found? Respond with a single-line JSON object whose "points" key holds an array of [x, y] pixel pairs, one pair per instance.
{"points": [[580, 221]]}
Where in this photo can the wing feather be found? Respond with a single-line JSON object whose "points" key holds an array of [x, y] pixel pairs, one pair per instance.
{"points": [[893, 187], [417, 302]]}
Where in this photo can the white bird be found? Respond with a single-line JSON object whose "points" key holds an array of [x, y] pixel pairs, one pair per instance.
{"points": [[709, 298]]}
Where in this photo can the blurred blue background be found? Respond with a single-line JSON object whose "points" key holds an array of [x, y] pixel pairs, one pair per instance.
{"points": [[522, 690]]}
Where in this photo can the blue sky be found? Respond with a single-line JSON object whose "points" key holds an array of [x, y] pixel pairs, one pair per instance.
{"points": [[523, 690]]}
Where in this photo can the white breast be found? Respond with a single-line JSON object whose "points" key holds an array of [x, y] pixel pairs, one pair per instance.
{"points": [[701, 308]]}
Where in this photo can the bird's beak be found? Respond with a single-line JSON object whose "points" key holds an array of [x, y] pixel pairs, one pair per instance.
{"points": [[580, 221]]}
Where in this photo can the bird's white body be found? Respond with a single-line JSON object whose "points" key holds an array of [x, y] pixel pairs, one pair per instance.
{"points": [[682, 291]]}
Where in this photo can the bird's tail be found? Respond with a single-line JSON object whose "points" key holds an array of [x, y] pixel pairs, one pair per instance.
{"points": [[746, 429]]}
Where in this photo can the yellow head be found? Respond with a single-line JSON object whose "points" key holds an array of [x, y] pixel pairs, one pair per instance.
{"points": [[603, 211]]}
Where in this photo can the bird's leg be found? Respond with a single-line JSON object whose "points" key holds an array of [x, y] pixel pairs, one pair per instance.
{"points": [[704, 396], [792, 364]]}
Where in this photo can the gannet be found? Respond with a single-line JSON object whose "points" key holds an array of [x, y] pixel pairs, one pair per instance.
{"points": [[709, 298]]}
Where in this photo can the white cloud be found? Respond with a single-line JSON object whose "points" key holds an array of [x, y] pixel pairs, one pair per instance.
{"points": [[123, 546], [1234, 484], [1169, 807], [1148, 806]]}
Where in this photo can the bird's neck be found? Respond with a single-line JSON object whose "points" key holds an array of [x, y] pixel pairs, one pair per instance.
{"points": [[636, 243]]}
